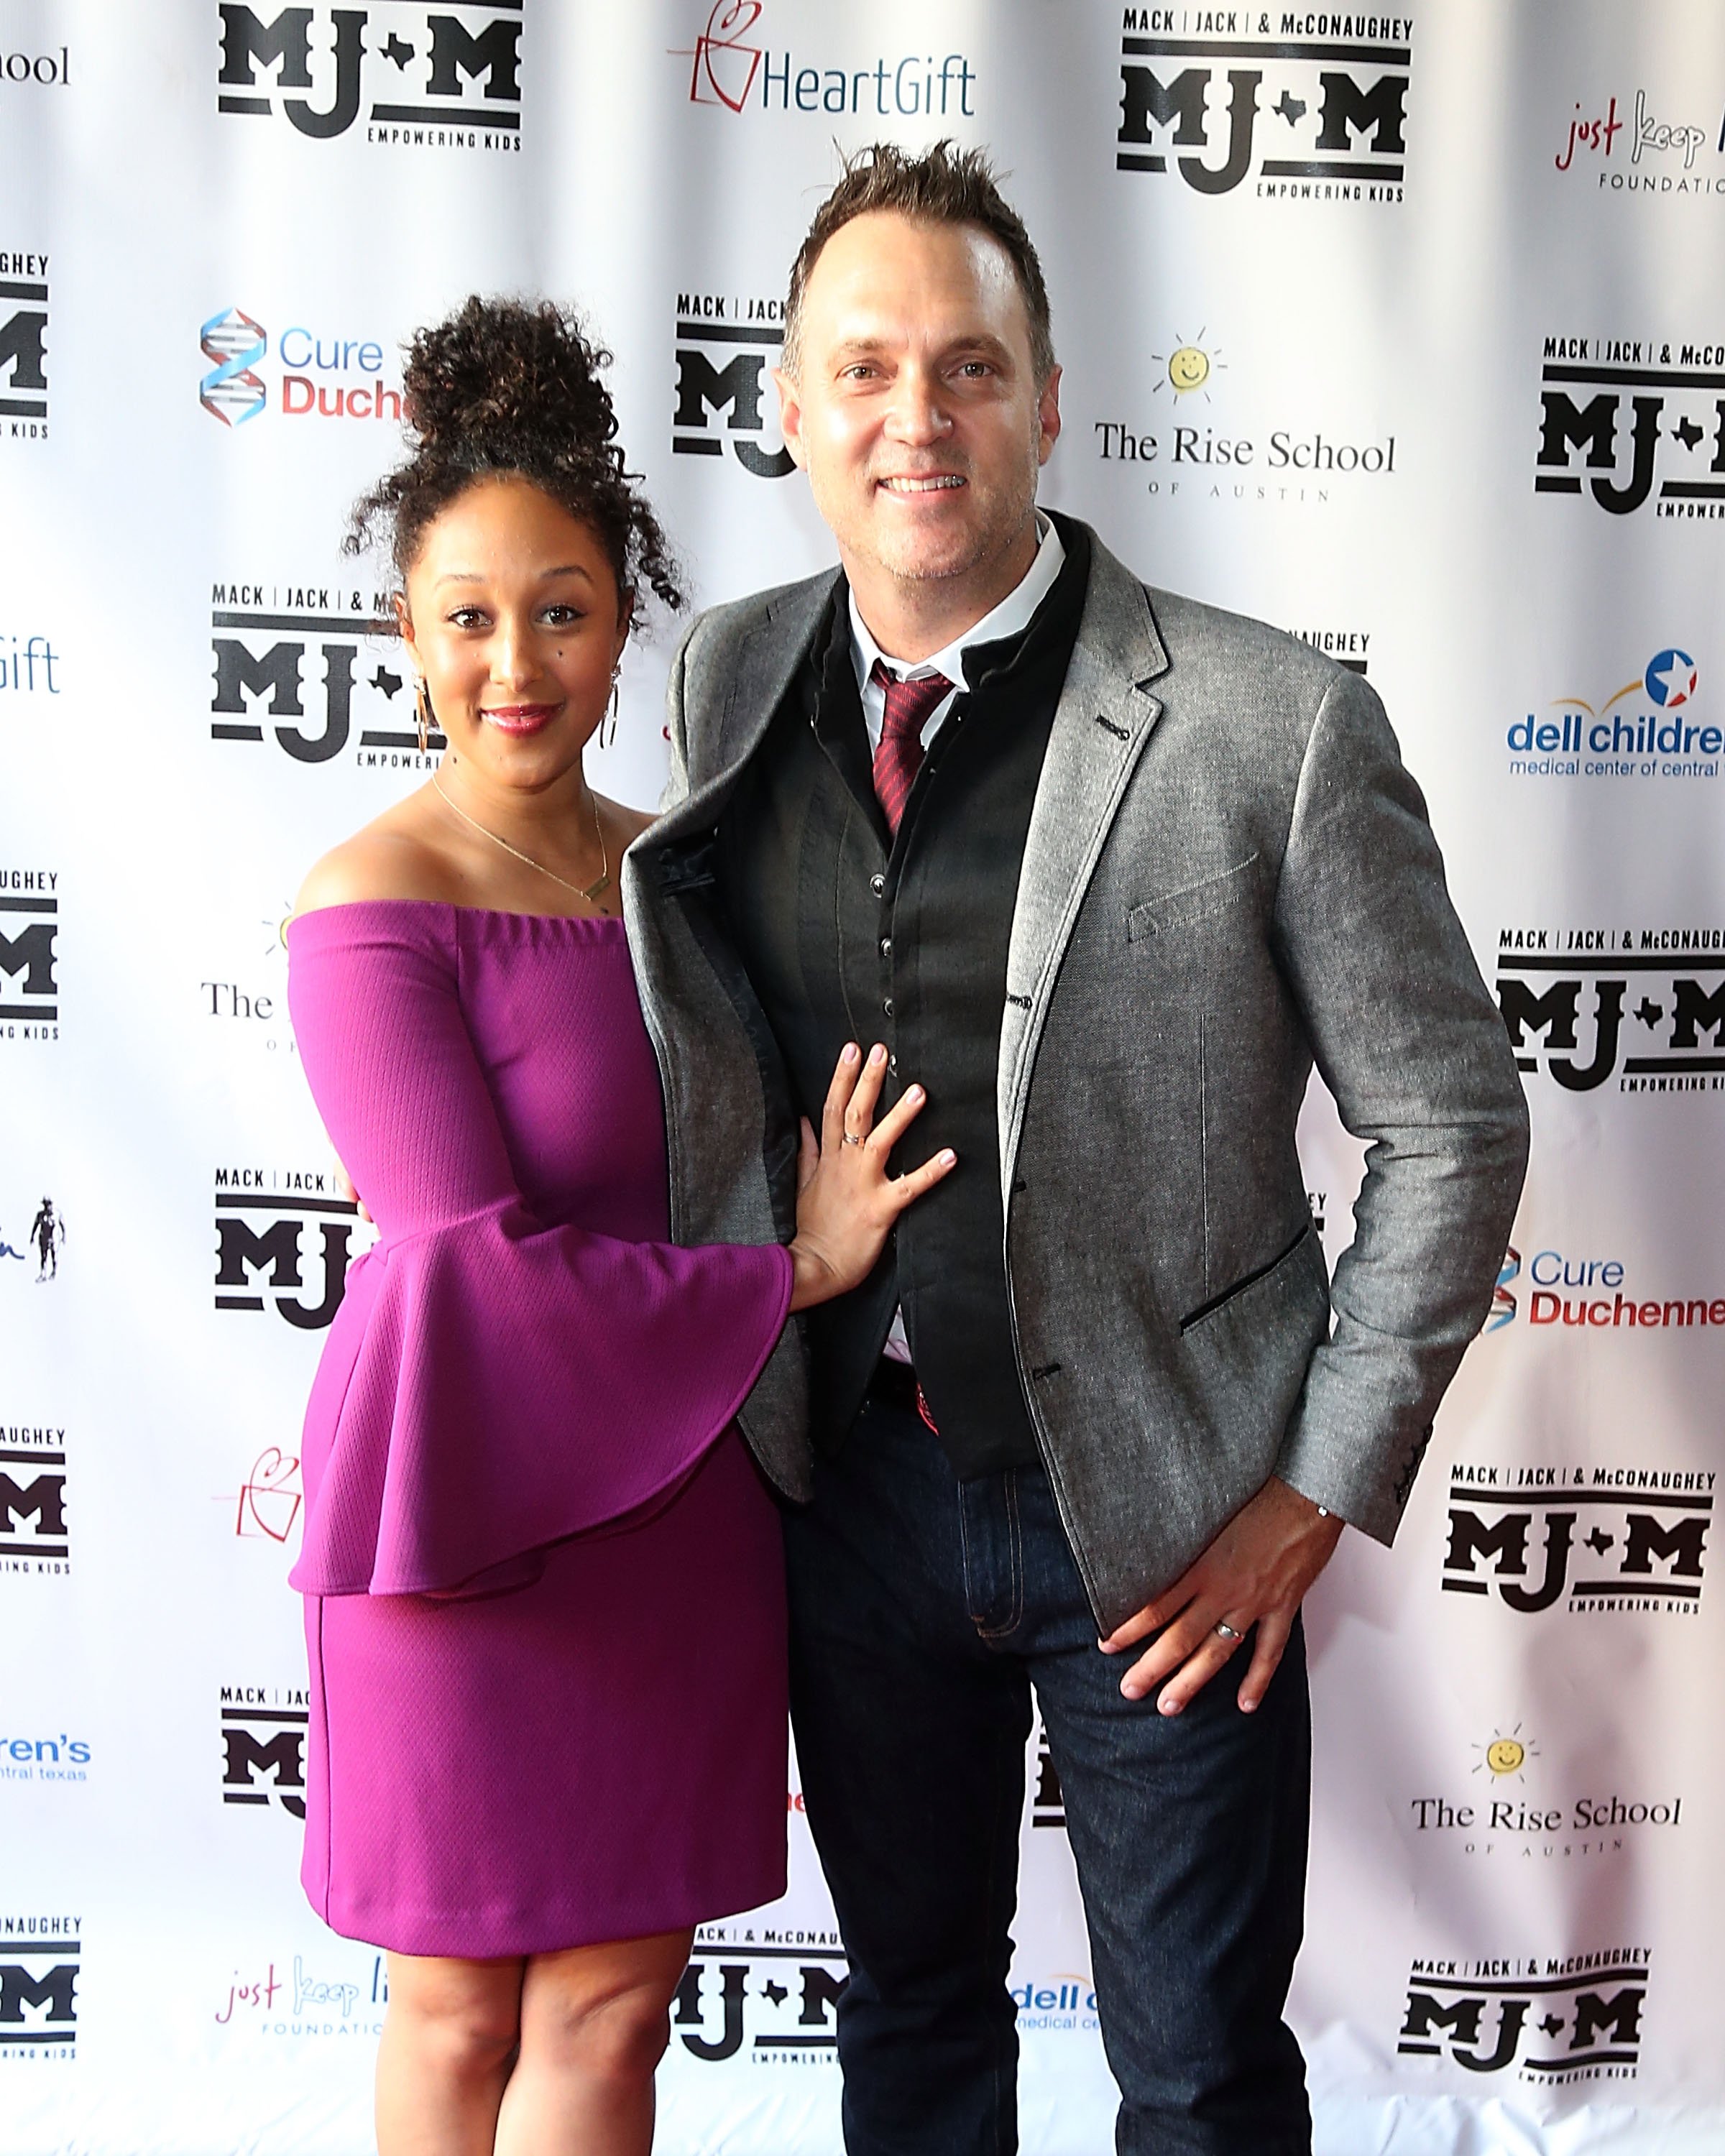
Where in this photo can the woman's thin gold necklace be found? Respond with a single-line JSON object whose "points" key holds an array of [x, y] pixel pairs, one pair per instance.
{"points": [[590, 892]]}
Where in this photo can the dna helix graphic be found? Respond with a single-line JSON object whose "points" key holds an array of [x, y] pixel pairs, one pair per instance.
{"points": [[1503, 1303], [231, 391]]}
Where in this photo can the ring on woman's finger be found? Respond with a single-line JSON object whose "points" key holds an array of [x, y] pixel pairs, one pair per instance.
{"points": [[850, 1140], [1228, 1633]]}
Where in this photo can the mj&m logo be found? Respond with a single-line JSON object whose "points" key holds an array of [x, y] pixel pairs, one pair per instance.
{"points": [[23, 346], [1553, 2020], [264, 1748], [1616, 414], [1316, 113], [1565, 996], [33, 1535], [772, 1997], [423, 76], [725, 348], [313, 659], [1614, 1539], [265, 1227], [38, 1986]]}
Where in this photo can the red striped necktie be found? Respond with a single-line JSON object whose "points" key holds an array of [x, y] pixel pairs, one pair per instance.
{"points": [[899, 757]]}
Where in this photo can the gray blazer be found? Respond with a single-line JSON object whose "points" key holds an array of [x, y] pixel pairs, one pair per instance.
{"points": [[1229, 875]]}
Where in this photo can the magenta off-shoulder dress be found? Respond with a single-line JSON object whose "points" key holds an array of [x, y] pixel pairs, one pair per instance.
{"points": [[544, 1603]]}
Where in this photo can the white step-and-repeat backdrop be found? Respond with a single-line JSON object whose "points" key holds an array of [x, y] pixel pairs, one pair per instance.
{"points": [[1406, 331]]}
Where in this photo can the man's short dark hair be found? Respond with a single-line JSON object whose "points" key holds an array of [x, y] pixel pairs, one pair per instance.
{"points": [[944, 186]]}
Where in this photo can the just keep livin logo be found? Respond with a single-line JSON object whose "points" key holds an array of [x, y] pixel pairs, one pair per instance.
{"points": [[1312, 103], [1616, 414], [1616, 1539], [423, 76], [1558, 987], [1573, 2017]]}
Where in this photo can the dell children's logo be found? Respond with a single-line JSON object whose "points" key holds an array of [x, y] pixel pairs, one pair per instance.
{"points": [[423, 76], [1313, 112]]}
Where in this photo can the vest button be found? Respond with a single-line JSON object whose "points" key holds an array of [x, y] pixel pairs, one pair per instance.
{"points": [[887, 1006], [877, 884], [885, 947]]}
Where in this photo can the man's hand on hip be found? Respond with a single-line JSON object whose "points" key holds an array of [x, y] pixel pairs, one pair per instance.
{"points": [[1255, 1572]]}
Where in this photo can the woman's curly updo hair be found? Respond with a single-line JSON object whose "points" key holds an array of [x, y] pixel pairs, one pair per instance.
{"points": [[504, 387]]}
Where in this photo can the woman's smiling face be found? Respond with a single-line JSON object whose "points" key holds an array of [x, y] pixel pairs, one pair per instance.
{"points": [[513, 614]]}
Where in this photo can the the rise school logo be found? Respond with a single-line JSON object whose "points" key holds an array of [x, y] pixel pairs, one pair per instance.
{"points": [[765, 1992], [264, 1746], [424, 77], [1652, 727], [1507, 1806], [1554, 2019], [1181, 452], [23, 346], [283, 1239], [1309, 103], [323, 374], [322, 664], [1565, 996], [29, 954], [39, 1969], [1603, 1539], [732, 68], [725, 348], [1617, 413], [35, 1534], [1656, 155]]}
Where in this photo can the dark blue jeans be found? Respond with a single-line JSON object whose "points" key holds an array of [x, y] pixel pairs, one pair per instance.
{"points": [[923, 1610]]}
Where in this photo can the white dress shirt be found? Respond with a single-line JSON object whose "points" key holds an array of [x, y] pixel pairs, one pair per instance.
{"points": [[1009, 619]]}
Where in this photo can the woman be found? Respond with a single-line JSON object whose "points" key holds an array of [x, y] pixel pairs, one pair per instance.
{"points": [[542, 1576]]}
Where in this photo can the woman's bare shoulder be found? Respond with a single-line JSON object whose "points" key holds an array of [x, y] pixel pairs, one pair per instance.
{"points": [[391, 858]]}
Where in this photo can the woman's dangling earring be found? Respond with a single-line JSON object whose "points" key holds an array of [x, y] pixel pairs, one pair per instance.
{"points": [[616, 691], [422, 707]]}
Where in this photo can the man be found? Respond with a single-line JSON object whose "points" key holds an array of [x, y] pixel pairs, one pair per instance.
{"points": [[1106, 870]]}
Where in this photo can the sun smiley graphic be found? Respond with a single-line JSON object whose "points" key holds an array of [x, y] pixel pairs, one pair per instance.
{"points": [[1187, 368], [275, 926], [1505, 1759]]}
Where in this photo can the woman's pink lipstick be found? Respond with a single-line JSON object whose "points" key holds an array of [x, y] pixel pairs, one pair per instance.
{"points": [[521, 718]]}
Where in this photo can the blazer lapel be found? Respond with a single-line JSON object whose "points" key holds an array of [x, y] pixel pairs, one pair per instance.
{"points": [[1103, 720], [761, 664]]}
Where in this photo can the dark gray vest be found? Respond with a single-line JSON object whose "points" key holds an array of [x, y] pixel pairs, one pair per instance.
{"points": [[847, 935]]}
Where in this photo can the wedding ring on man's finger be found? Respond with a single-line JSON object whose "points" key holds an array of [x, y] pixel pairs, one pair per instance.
{"points": [[1227, 1632]]}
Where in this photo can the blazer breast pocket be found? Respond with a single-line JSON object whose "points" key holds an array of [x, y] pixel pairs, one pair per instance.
{"points": [[1234, 889]]}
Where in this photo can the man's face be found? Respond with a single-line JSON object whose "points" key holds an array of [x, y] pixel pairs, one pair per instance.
{"points": [[916, 412]]}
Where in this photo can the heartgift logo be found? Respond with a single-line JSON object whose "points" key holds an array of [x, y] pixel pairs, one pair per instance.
{"points": [[724, 65], [231, 391]]}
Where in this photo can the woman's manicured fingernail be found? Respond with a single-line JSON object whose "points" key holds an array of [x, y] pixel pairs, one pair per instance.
{"points": [[915, 1093], [851, 1052], [877, 1053], [1169, 1706], [1249, 1706], [948, 1158]]}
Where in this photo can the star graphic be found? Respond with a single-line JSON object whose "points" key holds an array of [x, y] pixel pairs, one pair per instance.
{"points": [[1649, 1011], [776, 1991], [1292, 108], [1686, 432], [398, 50], [387, 681], [1599, 1542], [1679, 680], [1551, 2024]]}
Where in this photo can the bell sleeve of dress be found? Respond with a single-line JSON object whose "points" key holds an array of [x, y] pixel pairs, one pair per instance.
{"points": [[491, 1384]]}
